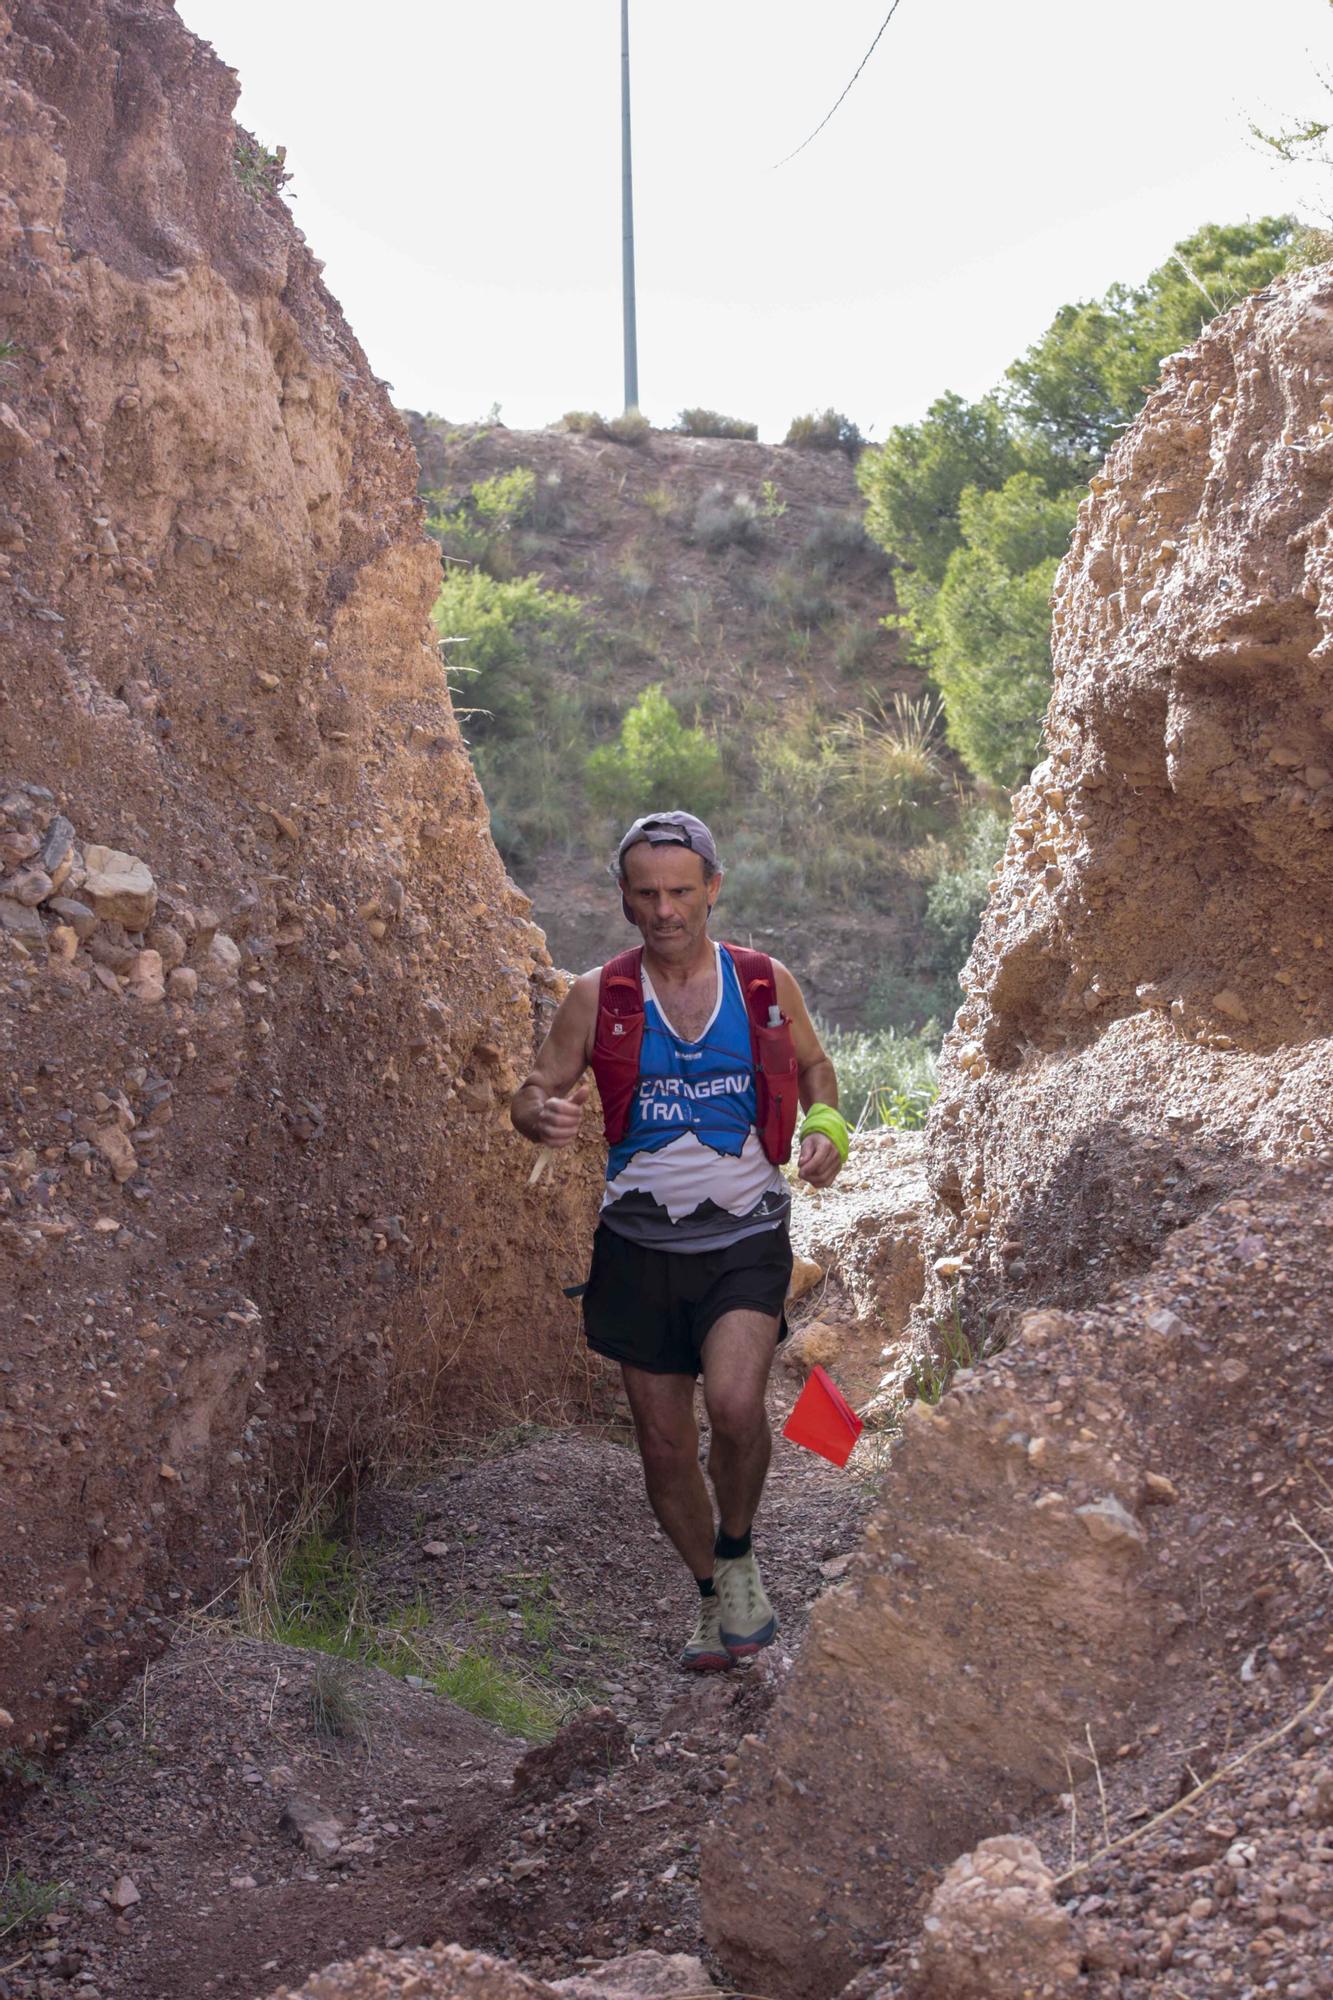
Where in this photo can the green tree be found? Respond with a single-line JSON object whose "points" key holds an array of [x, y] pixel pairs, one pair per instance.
{"points": [[1088, 376], [990, 624], [502, 639], [973, 579], [914, 481], [657, 763]]}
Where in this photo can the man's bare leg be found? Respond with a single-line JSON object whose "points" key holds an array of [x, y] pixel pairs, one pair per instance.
{"points": [[663, 1410], [737, 1356]]}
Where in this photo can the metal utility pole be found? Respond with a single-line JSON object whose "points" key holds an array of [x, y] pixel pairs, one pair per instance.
{"points": [[627, 220]]}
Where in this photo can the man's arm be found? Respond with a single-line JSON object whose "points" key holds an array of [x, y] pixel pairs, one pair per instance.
{"points": [[547, 1108], [820, 1161]]}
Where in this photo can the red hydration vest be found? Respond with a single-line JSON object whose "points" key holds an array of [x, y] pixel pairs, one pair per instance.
{"points": [[619, 1039]]}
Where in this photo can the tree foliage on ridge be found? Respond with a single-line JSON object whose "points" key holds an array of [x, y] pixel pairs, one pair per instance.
{"points": [[976, 501]]}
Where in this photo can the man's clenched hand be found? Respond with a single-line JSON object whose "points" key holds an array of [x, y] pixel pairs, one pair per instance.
{"points": [[819, 1162], [558, 1121]]}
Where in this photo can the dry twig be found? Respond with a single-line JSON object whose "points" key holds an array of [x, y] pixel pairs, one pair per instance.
{"points": [[1101, 1788], [1182, 1805], [1318, 1547]]}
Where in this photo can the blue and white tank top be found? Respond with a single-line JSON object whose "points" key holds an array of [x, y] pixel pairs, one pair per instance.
{"points": [[690, 1173]]}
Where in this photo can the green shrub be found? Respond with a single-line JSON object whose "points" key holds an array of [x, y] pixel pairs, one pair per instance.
{"points": [[477, 527], [657, 763], [505, 501], [532, 781], [712, 424], [827, 430], [723, 521], [663, 504], [883, 1078], [800, 599], [336, 1704], [257, 170], [835, 540], [856, 647], [631, 428], [913, 482], [887, 775], [795, 777], [957, 896], [26, 1903], [912, 1003], [466, 541], [634, 578], [511, 634], [760, 890]]}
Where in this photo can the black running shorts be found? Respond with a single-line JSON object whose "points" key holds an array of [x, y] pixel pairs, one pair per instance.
{"points": [[653, 1309]]}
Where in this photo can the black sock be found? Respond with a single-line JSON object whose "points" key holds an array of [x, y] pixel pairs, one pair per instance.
{"points": [[706, 1586], [731, 1546]]}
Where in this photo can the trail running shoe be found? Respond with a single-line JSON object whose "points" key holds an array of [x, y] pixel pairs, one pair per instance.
{"points": [[704, 1651], [748, 1619]]}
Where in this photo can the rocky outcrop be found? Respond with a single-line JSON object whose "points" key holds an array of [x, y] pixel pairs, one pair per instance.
{"points": [[1089, 1556], [264, 985], [865, 1233], [1150, 1000], [994, 1931], [446, 1972], [1075, 1554]]}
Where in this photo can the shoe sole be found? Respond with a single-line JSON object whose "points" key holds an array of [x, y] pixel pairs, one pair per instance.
{"points": [[754, 1642], [707, 1663]]}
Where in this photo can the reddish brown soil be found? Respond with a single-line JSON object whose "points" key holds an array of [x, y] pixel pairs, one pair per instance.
{"points": [[183, 1784]]}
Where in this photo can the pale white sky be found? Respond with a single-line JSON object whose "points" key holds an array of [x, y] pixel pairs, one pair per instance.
{"points": [[456, 165]]}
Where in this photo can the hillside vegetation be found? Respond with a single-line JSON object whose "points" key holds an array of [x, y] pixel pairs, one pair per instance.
{"points": [[697, 619], [976, 502], [838, 654]]}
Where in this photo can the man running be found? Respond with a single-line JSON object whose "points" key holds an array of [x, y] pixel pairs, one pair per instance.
{"points": [[691, 1257]]}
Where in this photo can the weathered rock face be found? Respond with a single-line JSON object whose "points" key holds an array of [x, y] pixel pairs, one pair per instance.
{"points": [[865, 1232], [1151, 996], [994, 1931], [447, 1972], [263, 983], [1080, 1547], [1084, 1544]]}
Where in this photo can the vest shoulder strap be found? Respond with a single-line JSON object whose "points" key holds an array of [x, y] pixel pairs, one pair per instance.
{"points": [[759, 987], [620, 989]]}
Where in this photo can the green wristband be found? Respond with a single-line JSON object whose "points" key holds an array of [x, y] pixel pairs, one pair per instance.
{"points": [[822, 1121]]}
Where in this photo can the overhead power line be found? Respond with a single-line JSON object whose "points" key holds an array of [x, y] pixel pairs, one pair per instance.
{"points": [[860, 66]]}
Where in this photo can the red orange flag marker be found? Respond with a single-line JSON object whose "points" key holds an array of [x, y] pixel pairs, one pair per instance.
{"points": [[823, 1420]]}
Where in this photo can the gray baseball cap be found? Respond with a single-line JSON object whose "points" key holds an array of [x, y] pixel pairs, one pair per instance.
{"points": [[667, 829]]}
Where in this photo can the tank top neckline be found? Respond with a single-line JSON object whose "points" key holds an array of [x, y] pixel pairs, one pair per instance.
{"points": [[650, 992]]}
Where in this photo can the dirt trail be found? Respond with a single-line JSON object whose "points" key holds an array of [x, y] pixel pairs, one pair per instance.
{"points": [[543, 1556]]}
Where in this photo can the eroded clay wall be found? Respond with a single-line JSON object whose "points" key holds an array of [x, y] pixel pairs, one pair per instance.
{"points": [[264, 985], [1084, 1550], [1151, 996]]}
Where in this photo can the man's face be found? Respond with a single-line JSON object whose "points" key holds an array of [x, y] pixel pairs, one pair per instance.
{"points": [[668, 897]]}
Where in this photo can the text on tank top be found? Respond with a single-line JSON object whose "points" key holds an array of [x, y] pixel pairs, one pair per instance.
{"points": [[690, 1173]]}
